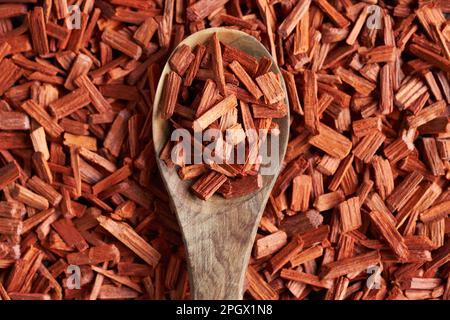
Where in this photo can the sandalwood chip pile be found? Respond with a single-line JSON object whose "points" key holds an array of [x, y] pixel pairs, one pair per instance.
{"points": [[361, 207], [211, 94]]}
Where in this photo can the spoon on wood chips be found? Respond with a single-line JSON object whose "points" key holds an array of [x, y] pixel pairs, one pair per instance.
{"points": [[218, 233]]}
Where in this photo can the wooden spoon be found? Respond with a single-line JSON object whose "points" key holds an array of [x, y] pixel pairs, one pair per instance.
{"points": [[218, 233]]}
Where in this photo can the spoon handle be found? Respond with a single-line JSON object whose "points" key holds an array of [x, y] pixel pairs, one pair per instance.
{"points": [[218, 248]]}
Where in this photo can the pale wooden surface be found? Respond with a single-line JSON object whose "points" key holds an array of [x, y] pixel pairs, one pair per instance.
{"points": [[218, 233]]}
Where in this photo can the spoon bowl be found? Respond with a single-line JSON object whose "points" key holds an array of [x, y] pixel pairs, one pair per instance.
{"points": [[218, 233]]}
